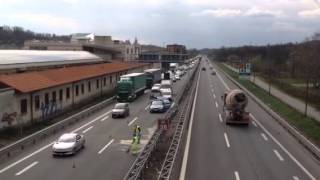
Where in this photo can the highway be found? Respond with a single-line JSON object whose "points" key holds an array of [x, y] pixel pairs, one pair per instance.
{"points": [[262, 151], [105, 154]]}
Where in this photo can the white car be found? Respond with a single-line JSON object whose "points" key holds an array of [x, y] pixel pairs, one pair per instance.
{"points": [[156, 87], [166, 93], [68, 144], [177, 77]]}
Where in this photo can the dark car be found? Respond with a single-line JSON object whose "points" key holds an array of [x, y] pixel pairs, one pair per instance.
{"points": [[213, 72], [203, 69], [120, 110]]}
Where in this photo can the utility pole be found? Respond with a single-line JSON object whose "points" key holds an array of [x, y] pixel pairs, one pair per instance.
{"points": [[307, 97]]}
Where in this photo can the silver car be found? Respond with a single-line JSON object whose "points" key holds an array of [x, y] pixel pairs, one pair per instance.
{"points": [[68, 144]]}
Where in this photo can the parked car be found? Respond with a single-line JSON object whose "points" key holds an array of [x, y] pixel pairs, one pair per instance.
{"points": [[68, 144], [120, 110], [157, 106]]}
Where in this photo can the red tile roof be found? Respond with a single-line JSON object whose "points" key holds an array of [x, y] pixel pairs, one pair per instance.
{"points": [[33, 81]]}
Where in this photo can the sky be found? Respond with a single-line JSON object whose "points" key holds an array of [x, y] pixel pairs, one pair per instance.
{"points": [[194, 23]]}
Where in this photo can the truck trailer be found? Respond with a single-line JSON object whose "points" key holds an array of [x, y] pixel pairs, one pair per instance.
{"points": [[130, 86], [153, 76]]}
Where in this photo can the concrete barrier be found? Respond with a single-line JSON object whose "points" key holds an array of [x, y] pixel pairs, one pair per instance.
{"points": [[291, 129], [22, 144]]}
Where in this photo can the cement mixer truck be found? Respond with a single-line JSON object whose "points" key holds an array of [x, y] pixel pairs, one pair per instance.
{"points": [[235, 102]]}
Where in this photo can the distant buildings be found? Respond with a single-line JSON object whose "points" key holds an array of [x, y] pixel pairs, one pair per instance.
{"points": [[102, 46], [176, 49]]}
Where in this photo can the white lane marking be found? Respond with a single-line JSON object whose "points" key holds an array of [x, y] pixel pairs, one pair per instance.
{"points": [[103, 119], [295, 178], [86, 130], [216, 104], [254, 123], [236, 174], [284, 149], [26, 168], [186, 150], [220, 118], [147, 107], [227, 140], [264, 137], [131, 122], [223, 82], [275, 140], [90, 122], [106, 146], [172, 105], [278, 155], [214, 96], [48, 145]]}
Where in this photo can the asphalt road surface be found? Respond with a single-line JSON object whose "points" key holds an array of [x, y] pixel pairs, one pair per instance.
{"points": [[261, 151], [105, 154]]}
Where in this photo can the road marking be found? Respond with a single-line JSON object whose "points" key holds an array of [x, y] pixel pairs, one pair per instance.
{"points": [[284, 149], [278, 155], [220, 118], [295, 178], [264, 136], [172, 105], [186, 150], [27, 168], [86, 130], [214, 96], [103, 119], [90, 122], [147, 107], [132, 121], [254, 124], [216, 104], [275, 140], [106, 146], [227, 140], [236, 174], [48, 145]]}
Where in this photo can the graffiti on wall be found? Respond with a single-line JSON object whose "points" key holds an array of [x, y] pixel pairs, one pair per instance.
{"points": [[49, 109], [9, 117]]}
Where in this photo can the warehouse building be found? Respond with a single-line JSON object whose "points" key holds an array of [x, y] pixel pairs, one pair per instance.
{"points": [[38, 95]]}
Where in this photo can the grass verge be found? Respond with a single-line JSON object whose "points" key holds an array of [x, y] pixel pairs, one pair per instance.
{"points": [[306, 125]]}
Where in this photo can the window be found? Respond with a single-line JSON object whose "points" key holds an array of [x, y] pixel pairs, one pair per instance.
{"points": [[82, 88], [54, 96], [77, 90], [89, 86], [111, 79], [24, 106], [68, 93], [128, 51], [46, 98], [97, 83], [61, 94], [104, 81], [37, 102]]}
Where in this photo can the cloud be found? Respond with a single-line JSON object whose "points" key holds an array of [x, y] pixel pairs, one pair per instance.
{"points": [[258, 12], [218, 13], [310, 13]]}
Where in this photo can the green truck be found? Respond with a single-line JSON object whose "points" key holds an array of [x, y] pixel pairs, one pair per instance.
{"points": [[130, 86]]}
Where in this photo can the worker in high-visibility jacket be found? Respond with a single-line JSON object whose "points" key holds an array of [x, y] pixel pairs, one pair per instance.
{"points": [[135, 146], [137, 133]]}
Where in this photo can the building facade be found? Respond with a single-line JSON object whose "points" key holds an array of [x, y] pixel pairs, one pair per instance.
{"points": [[36, 96], [176, 49]]}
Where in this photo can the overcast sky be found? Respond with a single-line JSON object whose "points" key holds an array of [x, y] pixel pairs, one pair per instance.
{"points": [[195, 23]]}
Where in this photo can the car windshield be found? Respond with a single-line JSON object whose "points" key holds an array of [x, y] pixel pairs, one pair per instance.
{"points": [[66, 139], [157, 103], [119, 106]]}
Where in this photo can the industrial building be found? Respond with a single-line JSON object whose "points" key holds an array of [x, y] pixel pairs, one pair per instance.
{"points": [[34, 96]]}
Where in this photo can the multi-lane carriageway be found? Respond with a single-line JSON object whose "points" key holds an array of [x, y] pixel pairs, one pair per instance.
{"points": [[105, 155], [262, 151]]}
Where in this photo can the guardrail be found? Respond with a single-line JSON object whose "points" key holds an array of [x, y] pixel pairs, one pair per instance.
{"points": [[20, 145], [291, 129], [143, 158]]}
